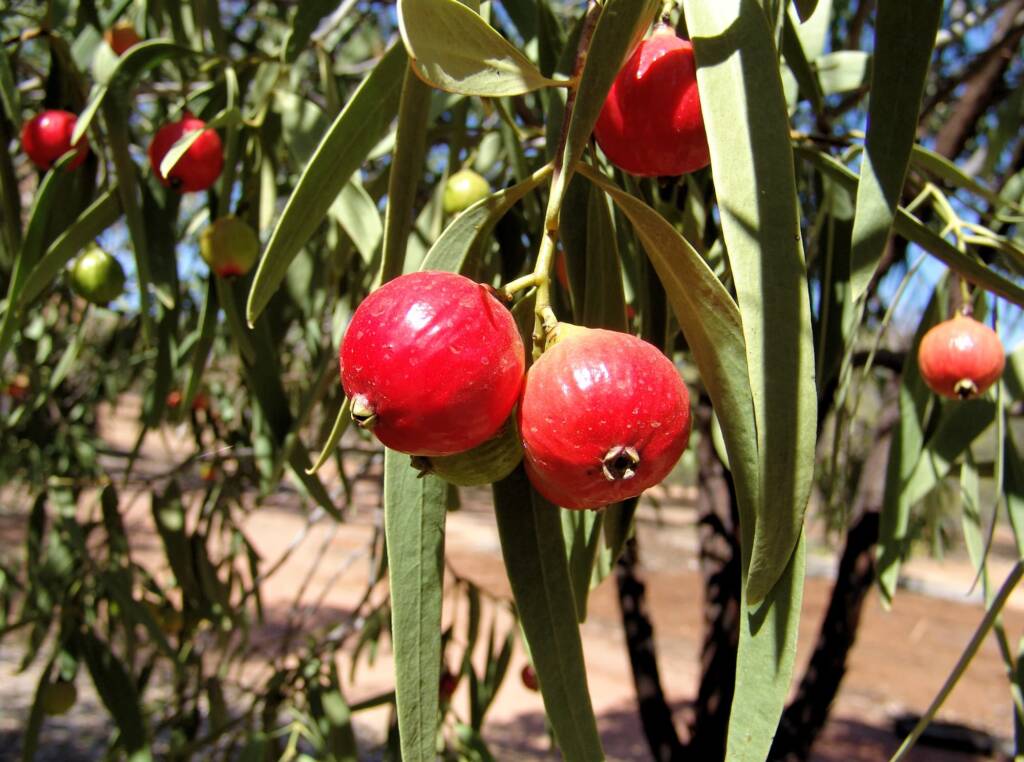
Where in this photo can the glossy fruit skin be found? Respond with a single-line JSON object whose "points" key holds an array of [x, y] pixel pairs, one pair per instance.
{"points": [[229, 246], [488, 462], [59, 697], [960, 358], [437, 361], [47, 136], [121, 37], [200, 165], [603, 416], [464, 189], [651, 123], [97, 277]]}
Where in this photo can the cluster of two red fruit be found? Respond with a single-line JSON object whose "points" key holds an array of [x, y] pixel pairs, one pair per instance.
{"points": [[434, 365], [47, 136]]}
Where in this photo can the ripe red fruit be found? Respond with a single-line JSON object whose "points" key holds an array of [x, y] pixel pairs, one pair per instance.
{"points": [[199, 166], [529, 678], [432, 363], [651, 122], [603, 416], [960, 358], [121, 37], [47, 136]]}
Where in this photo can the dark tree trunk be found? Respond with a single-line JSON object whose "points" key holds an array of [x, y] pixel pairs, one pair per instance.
{"points": [[718, 515], [655, 714]]}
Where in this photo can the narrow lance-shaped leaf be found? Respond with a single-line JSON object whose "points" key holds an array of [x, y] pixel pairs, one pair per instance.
{"points": [[358, 128], [454, 49], [738, 77], [904, 37], [414, 519], [534, 552], [406, 164]]}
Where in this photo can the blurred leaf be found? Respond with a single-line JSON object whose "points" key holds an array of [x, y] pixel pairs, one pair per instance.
{"points": [[169, 517], [904, 37], [36, 715], [756, 190], [414, 519], [10, 99], [534, 552], [363, 121], [453, 49], [461, 243], [805, 8], [1014, 491], [307, 16], [117, 691], [341, 422], [203, 345], [842, 71], [582, 533], [103, 213], [406, 164], [121, 79]]}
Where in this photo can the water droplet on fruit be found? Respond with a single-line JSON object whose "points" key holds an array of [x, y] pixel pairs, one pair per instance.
{"points": [[636, 411], [655, 424]]}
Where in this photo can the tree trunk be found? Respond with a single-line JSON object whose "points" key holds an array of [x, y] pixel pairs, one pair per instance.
{"points": [[718, 515], [655, 713]]}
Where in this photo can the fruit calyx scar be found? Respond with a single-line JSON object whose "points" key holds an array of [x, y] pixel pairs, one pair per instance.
{"points": [[362, 414], [619, 463]]}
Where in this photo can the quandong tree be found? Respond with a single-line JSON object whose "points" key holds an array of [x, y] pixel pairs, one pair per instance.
{"points": [[780, 203]]}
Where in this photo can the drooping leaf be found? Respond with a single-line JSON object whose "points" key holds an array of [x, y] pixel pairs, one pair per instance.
{"points": [[406, 163], [358, 128], [796, 58], [756, 189], [454, 49], [414, 519], [904, 37], [229, 117], [534, 552], [117, 691]]}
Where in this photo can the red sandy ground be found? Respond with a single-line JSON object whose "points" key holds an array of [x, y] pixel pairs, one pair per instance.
{"points": [[900, 660]]}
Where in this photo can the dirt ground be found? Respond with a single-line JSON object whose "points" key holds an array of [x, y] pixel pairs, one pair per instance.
{"points": [[900, 660]]}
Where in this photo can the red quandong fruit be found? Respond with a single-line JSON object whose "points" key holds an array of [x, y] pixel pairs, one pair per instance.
{"points": [[960, 358], [432, 363], [603, 416], [47, 136], [199, 166], [651, 122]]}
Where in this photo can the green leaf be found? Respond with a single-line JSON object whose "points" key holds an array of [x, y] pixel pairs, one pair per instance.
{"points": [[764, 663], [842, 71], [534, 552], [361, 124], [10, 99], [414, 519], [1014, 490], [904, 452], [117, 691], [229, 117], [203, 345], [100, 215], [454, 49], [806, 76], [130, 66], [307, 16], [911, 228], [946, 170], [36, 715], [582, 533], [755, 184], [460, 245], [904, 37], [406, 165], [341, 423]]}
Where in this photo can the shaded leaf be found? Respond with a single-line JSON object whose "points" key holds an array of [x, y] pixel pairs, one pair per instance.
{"points": [[117, 691]]}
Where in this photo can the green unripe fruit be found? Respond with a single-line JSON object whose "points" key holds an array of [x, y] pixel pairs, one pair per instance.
{"points": [[464, 189], [97, 276], [486, 463], [229, 246], [59, 697]]}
